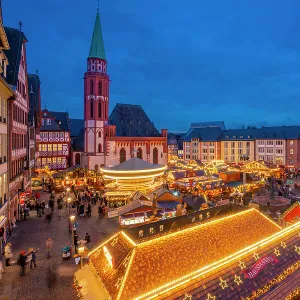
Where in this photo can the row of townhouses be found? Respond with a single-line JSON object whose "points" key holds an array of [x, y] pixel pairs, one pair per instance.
{"points": [[278, 145], [20, 118]]}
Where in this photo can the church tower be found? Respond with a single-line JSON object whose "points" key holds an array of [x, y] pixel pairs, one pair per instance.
{"points": [[96, 98]]}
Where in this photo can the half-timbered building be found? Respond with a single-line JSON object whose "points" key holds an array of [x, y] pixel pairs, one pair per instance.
{"points": [[54, 147]]}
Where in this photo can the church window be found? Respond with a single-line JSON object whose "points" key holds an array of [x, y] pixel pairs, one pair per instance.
{"points": [[122, 155], [155, 156], [140, 153], [99, 148], [91, 87], [99, 109], [99, 134], [92, 109], [100, 88]]}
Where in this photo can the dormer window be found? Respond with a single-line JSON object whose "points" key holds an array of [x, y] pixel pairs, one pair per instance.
{"points": [[130, 122], [59, 122], [234, 137], [227, 137], [128, 132], [248, 136], [48, 121], [241, 137]]}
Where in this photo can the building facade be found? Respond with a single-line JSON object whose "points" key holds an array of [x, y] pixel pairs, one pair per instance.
{"points": [[54, 146], [276, 145], [127, 132], [19, 178], [34, 121], [6, 96]]}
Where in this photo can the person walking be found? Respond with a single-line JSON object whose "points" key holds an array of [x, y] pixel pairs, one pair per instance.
{"points": [[89, 210], [88, 240], [32, 252], [76, 238], [100, 210], [49, 244], [22, 262], [8, 254]]}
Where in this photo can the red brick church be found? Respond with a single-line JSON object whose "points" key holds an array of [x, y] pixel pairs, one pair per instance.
{"points": [[127, 132]]}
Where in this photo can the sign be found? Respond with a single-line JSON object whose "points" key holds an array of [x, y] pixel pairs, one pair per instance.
{"points": [[259, 265]]}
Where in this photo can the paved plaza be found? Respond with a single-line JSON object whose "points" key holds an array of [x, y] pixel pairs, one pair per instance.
{"points": [[33, 232]]}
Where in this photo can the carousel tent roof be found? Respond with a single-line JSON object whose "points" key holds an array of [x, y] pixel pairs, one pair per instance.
{"points": [[168, 196], [191, 252], [134, 164]]}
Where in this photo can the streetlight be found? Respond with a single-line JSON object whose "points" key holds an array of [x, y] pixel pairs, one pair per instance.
{"points": [[72, 219], [80, 252], [69, 202]]}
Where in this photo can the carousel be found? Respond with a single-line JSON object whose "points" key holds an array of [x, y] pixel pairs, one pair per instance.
{"points": [[132, 175]]}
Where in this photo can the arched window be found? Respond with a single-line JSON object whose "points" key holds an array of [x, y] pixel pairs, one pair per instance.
{"points": [[96, 168], [99, 134], [92, 109], [99, 148], [122, 155], [100, 88], [155, 156], [99, 109], [77, 159], [139, 153], [92, 87]]}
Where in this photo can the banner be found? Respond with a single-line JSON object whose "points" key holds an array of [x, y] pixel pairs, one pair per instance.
{"points": [[259, 265]]}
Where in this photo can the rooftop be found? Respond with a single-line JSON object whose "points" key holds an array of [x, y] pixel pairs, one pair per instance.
{"points": [[177, 256]]}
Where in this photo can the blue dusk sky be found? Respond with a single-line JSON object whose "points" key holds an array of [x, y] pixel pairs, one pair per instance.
{"points": [[183, 61]]}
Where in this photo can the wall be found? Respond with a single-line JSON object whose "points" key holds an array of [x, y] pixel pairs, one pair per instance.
{"points": [[231, 151], [273, 151]]}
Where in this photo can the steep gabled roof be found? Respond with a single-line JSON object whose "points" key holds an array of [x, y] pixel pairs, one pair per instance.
{"points": [[177, 256], [61, 120], [16, 38], [76, 125], [131, 120], [208, 134]]}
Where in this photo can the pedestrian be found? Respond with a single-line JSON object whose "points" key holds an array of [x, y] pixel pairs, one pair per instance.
{"points": [[22, 262], [81, 210], [32, 253], [51, 204], [88, 240], [49, 244], [89, 210], [8, 254], [100, 210], [49, 217]]}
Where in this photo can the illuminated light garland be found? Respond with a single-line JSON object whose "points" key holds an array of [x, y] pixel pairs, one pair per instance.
{"points": [[294, 295], [242, 265], [187, 278], [128, 238], [274, 281], [277, 252], [104, 243], [78, 289], [237, 279], [210, 297], [223, 284], [256, 256], [163, 168], [289, 210]]}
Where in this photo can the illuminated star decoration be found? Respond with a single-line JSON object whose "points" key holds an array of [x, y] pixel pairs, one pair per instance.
{"points": [[297, 249], [119, 282], [98, 252], [223, 284], [200, 217], [194, 219], [126, 261], [283, 245], [210, 297], [187, 297], [242, 265], [237, 279], [114, 241], [107, 267], [256, 256], [276, 252]]}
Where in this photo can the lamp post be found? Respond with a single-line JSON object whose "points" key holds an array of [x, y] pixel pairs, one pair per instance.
{"points": [[72, 219], [80, 252]]}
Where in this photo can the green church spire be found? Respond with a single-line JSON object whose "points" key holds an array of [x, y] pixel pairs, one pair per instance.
{"points": [[97, 49]]}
